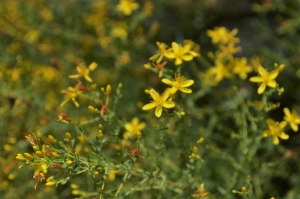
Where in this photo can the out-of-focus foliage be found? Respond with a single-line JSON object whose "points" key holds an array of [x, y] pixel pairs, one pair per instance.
{"points": [[78, 80]]}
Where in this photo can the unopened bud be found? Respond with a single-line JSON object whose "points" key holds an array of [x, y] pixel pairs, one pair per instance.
{"points": [[39, 135], [200, 141], [195, 149], [68, 136], [96, 173], [100, 126], [20, 157], [39, 154], [192, 156], [281, 67], [49, 184], [244, 189], [55, 154], [108, 90], [28, 156], [120, 85], [51, 178], [147, 66], [51, 139], [92, 109], [69, 162]]}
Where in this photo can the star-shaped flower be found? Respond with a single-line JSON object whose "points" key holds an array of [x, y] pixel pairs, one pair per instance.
{"points": [[275, 130], [180, 83], [84, 72], [127, 6], [292, 118], [159, 102], [133, 126], [181, 53], [266, 78], [241, 67]]}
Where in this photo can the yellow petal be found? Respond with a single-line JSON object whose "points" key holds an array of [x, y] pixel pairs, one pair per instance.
{"points": [[168, 104], [154, 94], [256, 79], [282, 124], [173, 90], [275, 140], [158, 111], [188, 83], [93, 66], [149, 106], [167, 81], [294, 126], [165, 95], [187, 57], [178, 61], [128, 127], [175, 46], [185, 90], [261, 88], [170, 55], [284, 136], [135, 121], [287, 112], [141, 126], [262, 71], [274, 74], [271, 123], [88, 78], [272, 83], [75, 76]]}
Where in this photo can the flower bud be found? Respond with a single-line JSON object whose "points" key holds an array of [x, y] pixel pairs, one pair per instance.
{"points": [[100, 126], [68, 136], [49, 184], [200, 141], [69, 162], [244, 189], [120, 85], [39, 154], [195, 149], [96, 173], [20, 157], [28, 156], [108, 90], [92, 109], [51, 139]]}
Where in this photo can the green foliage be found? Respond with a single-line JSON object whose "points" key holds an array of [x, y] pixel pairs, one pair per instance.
{"points": [[149, 99]]}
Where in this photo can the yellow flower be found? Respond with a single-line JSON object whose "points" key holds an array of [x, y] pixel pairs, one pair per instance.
{"points": [[163, 49], [229, 50], [84, 72], [241, 68], [127, 6], [119, 30], [181, 53], [219, 72], [71, 94], [180, 83], [200, 192], [292, 118], [266, 78], [222, 35], [112, 175], [275, 130], [159, 102], [132, 127]]}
